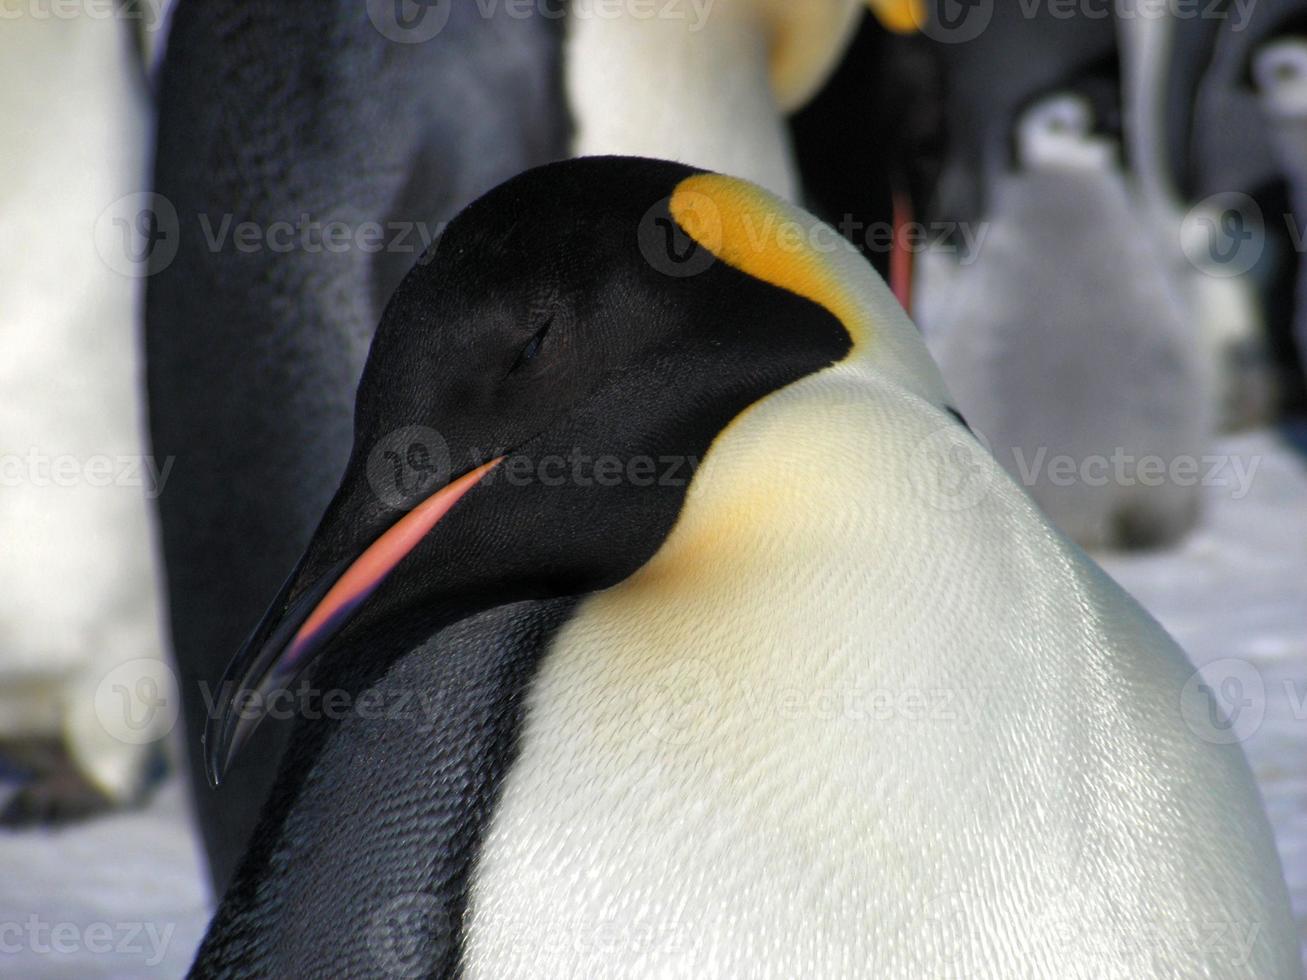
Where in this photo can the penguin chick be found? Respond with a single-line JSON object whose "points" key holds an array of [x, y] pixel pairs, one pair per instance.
{"points": [[1064, 338]]}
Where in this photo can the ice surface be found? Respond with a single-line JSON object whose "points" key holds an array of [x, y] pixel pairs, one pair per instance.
{"points": [[119, 898], [1236, 589], [1234, 594]]}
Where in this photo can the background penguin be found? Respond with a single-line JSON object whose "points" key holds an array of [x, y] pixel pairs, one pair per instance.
{"points": [[1054, 342], [78, 608], [1076, 345], [1231, 149], [623, 765], [997, 59], [293, 116], [1222, 303], [1280, 69], [727, 74]]}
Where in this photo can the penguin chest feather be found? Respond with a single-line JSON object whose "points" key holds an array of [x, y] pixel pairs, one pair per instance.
{"points": [[836, 728]]}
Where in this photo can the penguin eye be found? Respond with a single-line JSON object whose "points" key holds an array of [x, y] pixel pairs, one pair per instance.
{"points": [[532, 347]]}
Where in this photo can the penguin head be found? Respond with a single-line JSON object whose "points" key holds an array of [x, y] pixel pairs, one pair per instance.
{"points": [[1057, 132], [1280, 71], [537, 397]]}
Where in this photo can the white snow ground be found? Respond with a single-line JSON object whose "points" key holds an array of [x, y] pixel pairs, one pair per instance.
{"points": [[123, 895], [1234, 594]]}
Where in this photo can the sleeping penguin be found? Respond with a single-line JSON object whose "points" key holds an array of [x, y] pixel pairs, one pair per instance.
{"points": [[377, 122], [747, 660]]}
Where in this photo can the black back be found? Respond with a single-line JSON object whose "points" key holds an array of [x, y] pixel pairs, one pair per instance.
{"points": [[270, 111], [361, 865]]}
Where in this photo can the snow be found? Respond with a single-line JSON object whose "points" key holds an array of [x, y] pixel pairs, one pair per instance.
{"points": [[123, 896], [119, 898], [1234, 594]]}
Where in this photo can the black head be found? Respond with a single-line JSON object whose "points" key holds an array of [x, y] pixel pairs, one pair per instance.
{"points": [[537, 396]]}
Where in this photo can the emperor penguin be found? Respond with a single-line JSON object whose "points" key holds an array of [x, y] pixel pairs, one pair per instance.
{"points": [[1221, 300], [1066, 340], [381, 120], [748, 660], [1280, 69], [1236, 160], [79, 613], [709, 83]]}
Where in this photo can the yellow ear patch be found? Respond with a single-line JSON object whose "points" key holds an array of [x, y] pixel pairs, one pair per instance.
{"points": [[899, 16], [768, 239]]}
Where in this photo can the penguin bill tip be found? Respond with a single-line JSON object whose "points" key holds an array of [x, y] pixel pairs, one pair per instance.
{"points": [[219, 745], [292, 634]]}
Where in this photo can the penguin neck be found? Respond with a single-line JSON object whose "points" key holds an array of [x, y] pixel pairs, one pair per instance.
{"points": [[760, 489], [694, 90], [779, 243]]}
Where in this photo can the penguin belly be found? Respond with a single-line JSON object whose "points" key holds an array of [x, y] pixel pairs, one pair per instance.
{"points": [[707, 85], [874, 730], [77, 587]]}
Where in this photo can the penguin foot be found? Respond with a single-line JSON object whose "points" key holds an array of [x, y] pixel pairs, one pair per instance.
{"points": [[56, 795], [53, 801], [1150, 528]]}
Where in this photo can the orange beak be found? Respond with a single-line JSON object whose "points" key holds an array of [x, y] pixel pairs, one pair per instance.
{"points": [[272, 657]]}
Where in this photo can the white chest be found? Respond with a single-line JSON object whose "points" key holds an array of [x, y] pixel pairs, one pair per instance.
{"points": [[874, 747]]}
